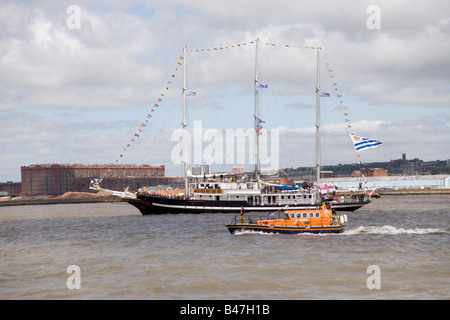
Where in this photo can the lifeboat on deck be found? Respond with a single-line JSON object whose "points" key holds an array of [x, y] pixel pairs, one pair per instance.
{"points": [[320, 220]]}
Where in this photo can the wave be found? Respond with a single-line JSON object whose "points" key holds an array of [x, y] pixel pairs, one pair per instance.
{"points": [[363, 230], [242, 232], [393, 230]]}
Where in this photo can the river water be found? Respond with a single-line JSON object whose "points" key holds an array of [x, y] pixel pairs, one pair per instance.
{"points": [[397, 247]]}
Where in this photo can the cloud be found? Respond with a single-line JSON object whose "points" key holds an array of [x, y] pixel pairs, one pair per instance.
{"points": [[99, 66], [73, 95]]}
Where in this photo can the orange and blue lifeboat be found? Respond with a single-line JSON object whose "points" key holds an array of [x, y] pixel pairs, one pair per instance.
{"points": [[320, 220]]}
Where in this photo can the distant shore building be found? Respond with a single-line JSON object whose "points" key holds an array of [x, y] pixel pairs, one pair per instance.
{"points": [[326, 174], [56, 179], [237, 170], [391, 182], [370, 172], [10, 189]]}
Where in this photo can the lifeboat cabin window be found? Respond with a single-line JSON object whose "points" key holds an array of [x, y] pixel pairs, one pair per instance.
{"points": [[299, 215], [317, 214], [305, 215], [292, 215], [311, 214]]}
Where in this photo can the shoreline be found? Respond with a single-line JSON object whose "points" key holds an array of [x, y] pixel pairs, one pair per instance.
{"points": [[398, 192], [413, 191], [25, 202], [95, 198], [68, 197]]}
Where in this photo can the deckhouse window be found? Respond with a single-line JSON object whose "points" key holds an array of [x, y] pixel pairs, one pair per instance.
{"points": [[311, 214], [292, 215], [299, 215], [305, 215], [317, 214]]}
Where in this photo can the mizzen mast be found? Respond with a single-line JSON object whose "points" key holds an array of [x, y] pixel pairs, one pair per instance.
{"points": [[318, 117], [256, 115], [185, 128]]}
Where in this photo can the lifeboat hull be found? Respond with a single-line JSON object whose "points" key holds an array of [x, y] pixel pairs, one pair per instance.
{"points": [[236, 228]]}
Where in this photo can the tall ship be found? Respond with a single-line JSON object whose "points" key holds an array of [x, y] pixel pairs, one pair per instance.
{"points": [[230, 193]]}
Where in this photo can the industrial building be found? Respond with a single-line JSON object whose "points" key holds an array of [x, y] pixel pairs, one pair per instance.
{"points": [[201, 169], [56, 179], [10, 189], [370, 172], [392, 182]]}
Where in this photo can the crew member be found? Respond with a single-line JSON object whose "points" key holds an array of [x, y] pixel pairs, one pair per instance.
{"points": [[334, 219], [242, 215]]}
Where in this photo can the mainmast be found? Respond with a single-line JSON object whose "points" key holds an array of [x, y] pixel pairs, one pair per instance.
{"points": [[185, 152], [318, 118], [256, 115]]}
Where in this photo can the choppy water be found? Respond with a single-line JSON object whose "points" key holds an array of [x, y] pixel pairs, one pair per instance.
{"points": [[124, 255]]}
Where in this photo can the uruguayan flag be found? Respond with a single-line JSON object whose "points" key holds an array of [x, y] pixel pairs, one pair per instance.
{"points": [[363, 143]]}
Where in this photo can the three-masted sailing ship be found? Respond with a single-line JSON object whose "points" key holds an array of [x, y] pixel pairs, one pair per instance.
{"points": [[223, 193]]}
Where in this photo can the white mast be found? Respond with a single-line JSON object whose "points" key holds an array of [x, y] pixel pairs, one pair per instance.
{"points": [[256, 115], [318, 118], [185, 151]]}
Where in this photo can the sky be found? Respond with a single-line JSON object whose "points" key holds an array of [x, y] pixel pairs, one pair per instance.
{"points": [[79, 79]]}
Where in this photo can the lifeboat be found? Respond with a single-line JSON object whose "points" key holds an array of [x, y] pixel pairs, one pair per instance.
{"points": [[320, 220]]}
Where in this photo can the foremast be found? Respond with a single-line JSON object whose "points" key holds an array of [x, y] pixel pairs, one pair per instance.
{"points": [[256, 116], [318, 118], [185, 128]]}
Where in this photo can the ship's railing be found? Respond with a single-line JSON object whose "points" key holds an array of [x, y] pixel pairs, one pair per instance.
{"points": [[251, 219], [206, 190], [248, 219]]}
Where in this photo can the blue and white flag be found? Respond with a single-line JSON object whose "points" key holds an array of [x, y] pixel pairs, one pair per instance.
{"points": [[361, 143], [95, 183]]}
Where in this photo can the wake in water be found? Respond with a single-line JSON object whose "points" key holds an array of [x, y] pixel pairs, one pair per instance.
{"points": [[393, 230], [388, 230]]}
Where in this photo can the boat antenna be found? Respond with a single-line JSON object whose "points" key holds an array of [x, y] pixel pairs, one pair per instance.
{"points": [[318, 117], [185, 128], [256, 115]]}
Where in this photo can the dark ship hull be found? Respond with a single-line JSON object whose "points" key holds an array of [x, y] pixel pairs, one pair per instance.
{"points": [[148, 204]]}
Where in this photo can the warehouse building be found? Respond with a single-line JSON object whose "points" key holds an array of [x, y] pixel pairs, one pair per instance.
{"points": [[56, 179]]}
